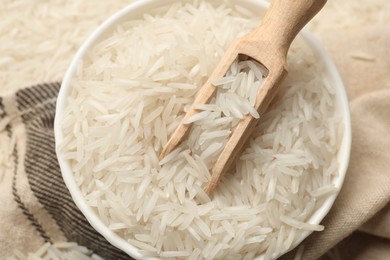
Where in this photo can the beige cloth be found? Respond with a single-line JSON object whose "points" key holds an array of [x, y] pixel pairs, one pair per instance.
{"points": [[358, 226]]}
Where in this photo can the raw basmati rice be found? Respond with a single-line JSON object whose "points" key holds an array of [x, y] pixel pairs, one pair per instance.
{"points": [[128, 97], [57, 251]]}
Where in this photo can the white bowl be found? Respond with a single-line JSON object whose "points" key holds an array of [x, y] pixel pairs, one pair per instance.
{"points": [[136, 10]]}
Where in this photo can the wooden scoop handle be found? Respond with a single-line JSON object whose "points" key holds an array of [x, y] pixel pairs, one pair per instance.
{"points": [[284, 20]]}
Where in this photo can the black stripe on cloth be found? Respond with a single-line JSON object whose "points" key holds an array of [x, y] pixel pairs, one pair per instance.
{"points": [[15, 193], [2, 112], [37, 105], [20, 203], [35, 95], [38, 114], [38, 117]]}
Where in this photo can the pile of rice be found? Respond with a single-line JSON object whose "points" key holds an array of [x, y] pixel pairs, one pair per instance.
{"points": [[130, 93]]}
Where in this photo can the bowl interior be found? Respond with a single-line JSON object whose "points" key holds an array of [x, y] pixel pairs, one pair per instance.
{"points": [[135, 11]]}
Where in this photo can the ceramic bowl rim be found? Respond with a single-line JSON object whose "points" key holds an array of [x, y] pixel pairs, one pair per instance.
{"points": [[135, 7]]}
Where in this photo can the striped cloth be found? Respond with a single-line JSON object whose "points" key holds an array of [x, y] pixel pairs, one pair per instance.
{"points": [[34, 178]]}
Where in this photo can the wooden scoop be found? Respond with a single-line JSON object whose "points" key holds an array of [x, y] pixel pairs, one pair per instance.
{"points": [[268, 44]]}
